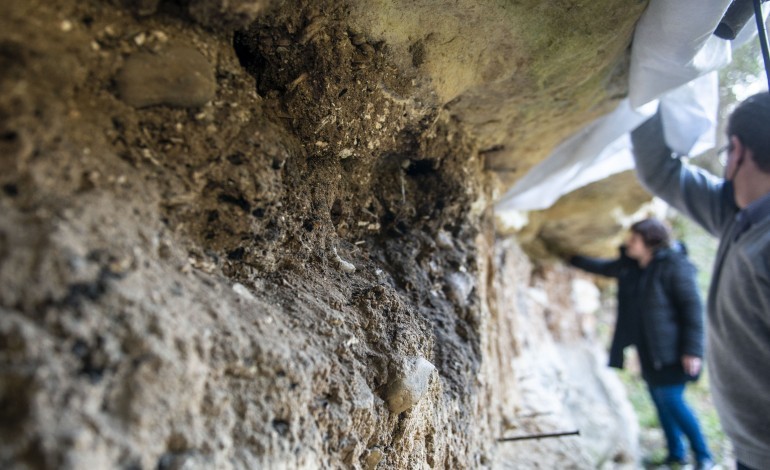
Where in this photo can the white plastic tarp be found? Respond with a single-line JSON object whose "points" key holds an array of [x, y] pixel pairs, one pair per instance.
{"points": [[674, 51], [602, 145], [674, 44]]}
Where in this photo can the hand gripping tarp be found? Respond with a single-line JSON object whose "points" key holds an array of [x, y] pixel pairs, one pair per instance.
{"points": [[673, 59]]}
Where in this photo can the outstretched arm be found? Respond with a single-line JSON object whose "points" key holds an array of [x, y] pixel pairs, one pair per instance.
{"points": [[605, 267], [698, 194]]}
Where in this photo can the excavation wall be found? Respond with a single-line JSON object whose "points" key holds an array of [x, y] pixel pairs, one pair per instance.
{"points": [[253, 234]]}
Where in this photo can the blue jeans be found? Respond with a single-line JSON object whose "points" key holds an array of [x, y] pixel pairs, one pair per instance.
{"points": [[676, 418]]}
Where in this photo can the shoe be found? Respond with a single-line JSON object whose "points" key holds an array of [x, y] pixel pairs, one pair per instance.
{"points": [[706, 464]]}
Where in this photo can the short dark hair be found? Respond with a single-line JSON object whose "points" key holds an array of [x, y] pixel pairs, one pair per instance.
{"points": [[750, 123], [655, 234]]}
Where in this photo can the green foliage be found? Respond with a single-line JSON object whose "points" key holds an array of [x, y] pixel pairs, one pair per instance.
{"points": [[640, 399], [745, 68]]}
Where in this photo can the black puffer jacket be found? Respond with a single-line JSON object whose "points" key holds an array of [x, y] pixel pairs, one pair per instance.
{"points": [[661, 303]]}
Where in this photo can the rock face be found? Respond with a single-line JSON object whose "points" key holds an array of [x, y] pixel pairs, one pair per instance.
{"points": [[592, 220], [251, 234], [548, 371]]}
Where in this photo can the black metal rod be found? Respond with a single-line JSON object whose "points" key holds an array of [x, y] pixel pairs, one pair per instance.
{"points": [[762, 33], [737, 15], [538, 436]]}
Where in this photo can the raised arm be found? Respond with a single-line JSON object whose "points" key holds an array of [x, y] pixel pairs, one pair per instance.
{"points": [[705, 198]]}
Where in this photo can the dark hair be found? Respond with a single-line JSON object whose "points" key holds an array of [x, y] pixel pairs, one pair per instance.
{"points": [[750, 123], [654, 233]]}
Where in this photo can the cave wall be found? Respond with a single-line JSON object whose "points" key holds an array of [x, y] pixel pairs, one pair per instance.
{"points": [[259, 234], [544, 368]]}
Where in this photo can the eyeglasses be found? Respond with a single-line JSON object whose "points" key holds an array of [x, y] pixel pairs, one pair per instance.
{"points": [[724, 154]]}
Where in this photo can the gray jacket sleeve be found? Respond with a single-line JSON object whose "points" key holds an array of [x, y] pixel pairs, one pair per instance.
{"points": [[705, 198]]}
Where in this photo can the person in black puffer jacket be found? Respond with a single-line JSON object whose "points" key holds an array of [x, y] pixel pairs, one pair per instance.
{"points": [[660, 313]]}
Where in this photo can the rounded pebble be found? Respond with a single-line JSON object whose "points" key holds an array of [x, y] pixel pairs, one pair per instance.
{"points": [[410, 384]]}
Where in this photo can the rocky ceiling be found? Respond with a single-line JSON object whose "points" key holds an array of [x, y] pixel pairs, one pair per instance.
{"points": [[518, 76]]}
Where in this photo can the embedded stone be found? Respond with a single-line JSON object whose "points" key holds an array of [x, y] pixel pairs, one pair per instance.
{"points": [[410, 384], [179, 76], [372, 458], [459, 287]]}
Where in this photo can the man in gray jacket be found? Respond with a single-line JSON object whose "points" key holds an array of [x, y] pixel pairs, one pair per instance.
{"points": [[736, 209]]}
